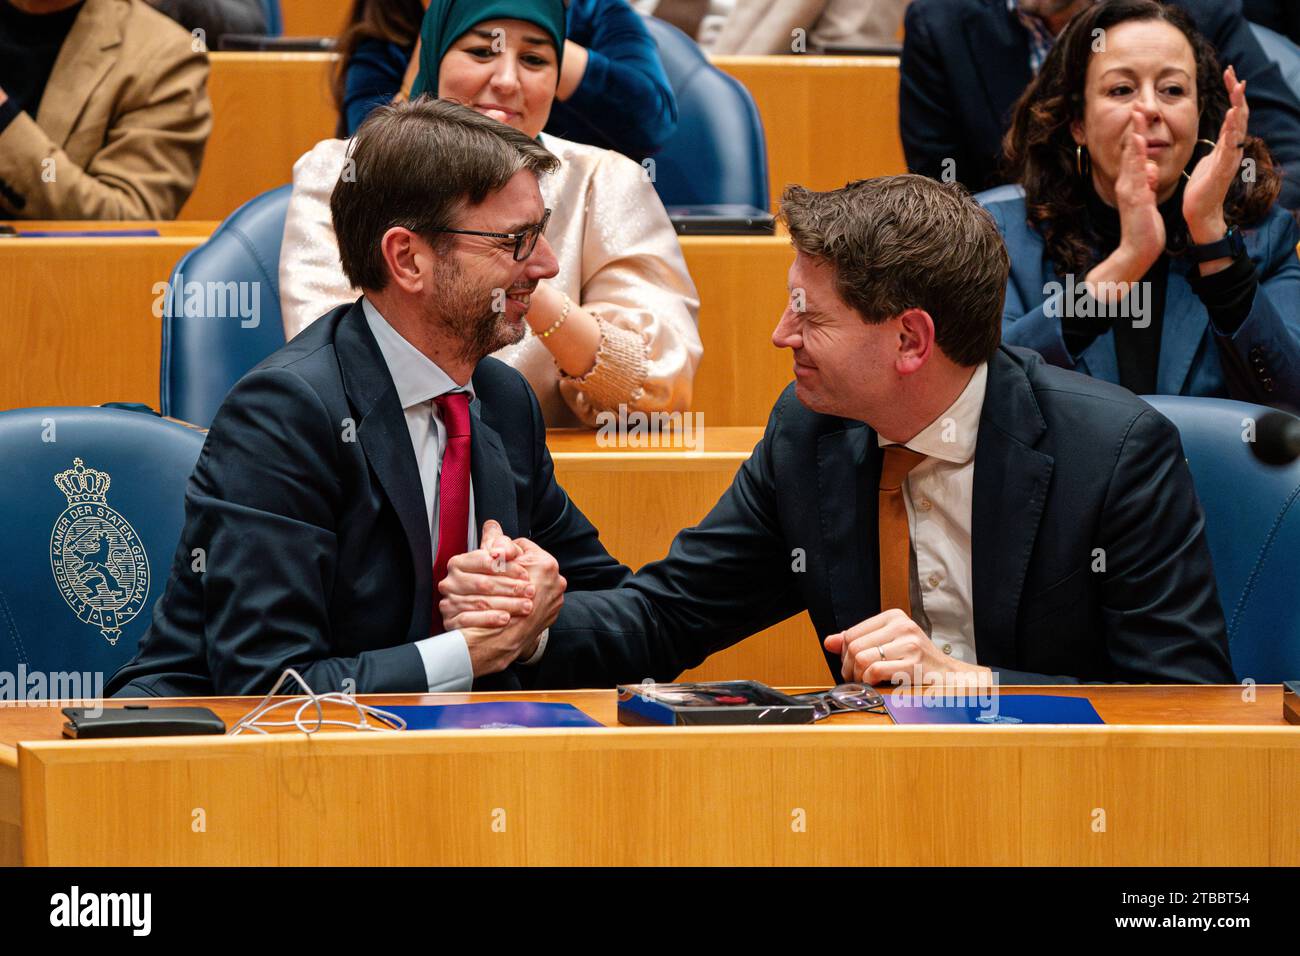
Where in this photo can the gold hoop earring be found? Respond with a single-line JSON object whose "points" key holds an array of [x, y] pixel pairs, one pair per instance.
{"points": [[1208, 142]]}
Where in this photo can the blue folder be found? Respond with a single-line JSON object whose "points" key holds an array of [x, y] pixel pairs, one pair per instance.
{"points": [[1007, 709], [496, 715]]}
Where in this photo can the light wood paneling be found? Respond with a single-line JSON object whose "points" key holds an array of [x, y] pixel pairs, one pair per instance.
{"points": [[80, 311], [314, 18], [267, 110], [858, 791], [828, 119]]}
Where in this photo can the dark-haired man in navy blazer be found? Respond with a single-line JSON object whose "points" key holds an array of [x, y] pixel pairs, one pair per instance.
{"points": [[942, 506], [344, 475]]}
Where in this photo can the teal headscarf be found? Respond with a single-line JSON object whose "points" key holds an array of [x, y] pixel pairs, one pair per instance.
{"points": [[446, 21]]}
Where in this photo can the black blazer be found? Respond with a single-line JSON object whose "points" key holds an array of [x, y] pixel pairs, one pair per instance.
{"points": [[1067, 470], [306, 542], [966, 62]]}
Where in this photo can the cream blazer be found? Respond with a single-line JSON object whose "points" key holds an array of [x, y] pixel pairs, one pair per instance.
{"points": [[619, 258]]}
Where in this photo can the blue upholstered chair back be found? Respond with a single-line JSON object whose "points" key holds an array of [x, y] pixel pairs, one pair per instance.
{"points": [[207, 344], [274, 21], [91, 508], [718, 153], [1252, 521]]}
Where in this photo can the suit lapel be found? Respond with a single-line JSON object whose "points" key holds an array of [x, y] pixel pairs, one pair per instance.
{"points": [[1185, 323], [1011, 484], [80, 66], [492, 477], [848, 472], [383, 435]]}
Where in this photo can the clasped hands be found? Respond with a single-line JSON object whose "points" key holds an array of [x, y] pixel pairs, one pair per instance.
{"points": [[501, 597]]}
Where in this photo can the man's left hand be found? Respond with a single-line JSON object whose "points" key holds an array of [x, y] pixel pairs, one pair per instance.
{"points": [[890, 643]]}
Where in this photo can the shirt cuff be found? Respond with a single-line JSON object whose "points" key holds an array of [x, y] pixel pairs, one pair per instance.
{"points": [[619, 374], [541, 648], [447, 666]]}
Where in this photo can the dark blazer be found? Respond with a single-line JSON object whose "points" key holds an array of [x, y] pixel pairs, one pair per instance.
{"points": [[307, 506], [965, 63], [1260, 362], [1069, 472]]}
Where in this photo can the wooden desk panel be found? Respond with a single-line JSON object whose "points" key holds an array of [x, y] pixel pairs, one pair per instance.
{"points": [[267, 110], [314, 18], [856, 791], [640, 499], [67, 303], [828, 119]]}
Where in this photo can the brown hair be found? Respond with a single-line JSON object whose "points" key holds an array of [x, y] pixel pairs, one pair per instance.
{"points": [[1040, 154], [416, 165], [392, 21], [902, 242]]}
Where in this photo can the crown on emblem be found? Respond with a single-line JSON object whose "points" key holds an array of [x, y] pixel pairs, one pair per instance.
{"points": [[80, 484]]}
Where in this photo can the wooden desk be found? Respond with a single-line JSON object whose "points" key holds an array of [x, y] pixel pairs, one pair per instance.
{"points": [[640, 498], [314, 18], [68, 303], [1184, 776], [828, 119], [267, 110]]}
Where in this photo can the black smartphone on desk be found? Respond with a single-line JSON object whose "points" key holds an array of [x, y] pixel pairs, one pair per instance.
{"points": [[140, 720]]}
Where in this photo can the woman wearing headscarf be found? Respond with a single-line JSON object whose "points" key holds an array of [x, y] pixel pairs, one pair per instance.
{"points": [[618, 325], [1147, 247]]}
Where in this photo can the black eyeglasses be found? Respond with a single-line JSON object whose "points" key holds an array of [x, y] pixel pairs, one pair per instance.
{"points": [[525, 240], [845, 697]]}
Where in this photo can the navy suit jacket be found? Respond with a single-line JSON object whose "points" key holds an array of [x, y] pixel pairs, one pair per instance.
{"points": [[1260, 362], [1071, 475], [307, 511], [966, 62]]}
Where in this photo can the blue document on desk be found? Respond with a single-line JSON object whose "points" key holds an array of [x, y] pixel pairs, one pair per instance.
{"points": [[493, 715], [88, 234], [1000, 709]]}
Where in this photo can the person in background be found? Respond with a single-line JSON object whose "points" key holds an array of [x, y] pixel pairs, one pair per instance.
{"points": [[612, 93], [617, 326], [104, 110], [216, 17], [760, 27], [1147, 248], [966, 62]]}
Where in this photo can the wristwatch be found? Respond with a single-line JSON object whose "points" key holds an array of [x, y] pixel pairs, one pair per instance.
{"points": [[1229, 247]]}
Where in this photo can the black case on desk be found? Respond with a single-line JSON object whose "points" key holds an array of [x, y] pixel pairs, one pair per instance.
{"points": [[659, 705], [141, 720]]}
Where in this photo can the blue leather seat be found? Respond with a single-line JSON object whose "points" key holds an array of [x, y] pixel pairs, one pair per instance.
{"points": [[91, 508], [274, 21], [209, 344], [718, 153], [1252, 521]]}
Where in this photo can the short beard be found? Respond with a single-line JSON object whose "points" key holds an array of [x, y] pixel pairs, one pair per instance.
{"points": [[468, 315]]}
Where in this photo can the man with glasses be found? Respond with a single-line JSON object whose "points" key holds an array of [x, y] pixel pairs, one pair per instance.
{"points": [[343, 473]]}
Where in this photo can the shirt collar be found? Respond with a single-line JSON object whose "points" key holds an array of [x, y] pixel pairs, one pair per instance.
{"points": [[417, 378], [951, 436]]}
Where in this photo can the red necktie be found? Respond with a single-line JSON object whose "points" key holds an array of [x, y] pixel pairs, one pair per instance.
{"points": [[453, 489]]}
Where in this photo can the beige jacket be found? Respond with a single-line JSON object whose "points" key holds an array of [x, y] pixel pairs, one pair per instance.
{"points": [[765, 26], [619, 258], [122, 124]]}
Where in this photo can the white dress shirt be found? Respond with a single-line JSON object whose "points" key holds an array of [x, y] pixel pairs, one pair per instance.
{"points": [[938, 495], [419, 381]]}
